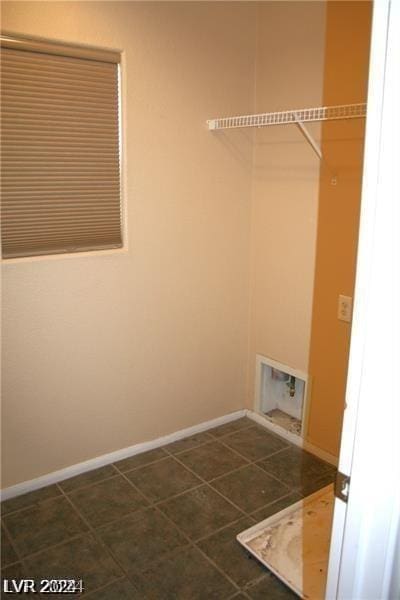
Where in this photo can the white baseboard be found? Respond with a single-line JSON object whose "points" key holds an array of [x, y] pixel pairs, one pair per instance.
{"points": [[106, 459], [293, 438]]}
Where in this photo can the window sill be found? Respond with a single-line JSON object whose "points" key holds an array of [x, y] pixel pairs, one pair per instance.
{"points": [[62, 256]]}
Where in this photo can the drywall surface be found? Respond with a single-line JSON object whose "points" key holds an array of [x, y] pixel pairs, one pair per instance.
{"points": [[105, 351], [346, 75], [289, 75]]}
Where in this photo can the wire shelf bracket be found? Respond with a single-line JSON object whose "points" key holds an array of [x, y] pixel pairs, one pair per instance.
{"points": [[322, 113], [294, 117]]}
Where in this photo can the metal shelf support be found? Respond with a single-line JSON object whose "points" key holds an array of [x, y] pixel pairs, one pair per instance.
{"points": [[294, 117]]}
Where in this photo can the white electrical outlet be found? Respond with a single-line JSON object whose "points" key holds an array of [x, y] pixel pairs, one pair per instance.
{"points": [[345, 306]]}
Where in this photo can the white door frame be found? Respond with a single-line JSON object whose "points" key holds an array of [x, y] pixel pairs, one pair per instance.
{"points": [[364, 560]]}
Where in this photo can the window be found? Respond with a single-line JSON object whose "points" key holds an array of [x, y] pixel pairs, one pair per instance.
{"points": [[60, 168]]}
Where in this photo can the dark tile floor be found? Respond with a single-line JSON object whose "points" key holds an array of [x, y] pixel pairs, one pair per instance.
{"points": [[162, 525]]}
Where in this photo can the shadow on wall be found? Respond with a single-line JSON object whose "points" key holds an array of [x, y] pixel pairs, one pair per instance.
{"points": [[239, 143]]}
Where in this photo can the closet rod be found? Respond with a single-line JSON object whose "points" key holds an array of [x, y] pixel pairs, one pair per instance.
{"points": [[304, 115]]}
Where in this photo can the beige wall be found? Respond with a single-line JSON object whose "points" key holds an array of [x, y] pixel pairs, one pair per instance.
{"points": [[346, 76], [285, 186], [106, 351], [102, 352]]}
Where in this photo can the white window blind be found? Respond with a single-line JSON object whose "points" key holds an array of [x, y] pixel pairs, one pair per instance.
{"points": [[60, 165]]}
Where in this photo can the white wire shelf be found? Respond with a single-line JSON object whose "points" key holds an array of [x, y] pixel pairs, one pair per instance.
{"points": [[303, 115]]}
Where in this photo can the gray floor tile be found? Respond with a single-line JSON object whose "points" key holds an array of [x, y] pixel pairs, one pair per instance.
{"points": [[254, 442], [44, 525], [271, 588], [8, 554], [224, 549], [140, 460], [211, 460], [313, 486], [231, 427], [200, 512], [250, 488], [74, 483], [141, 539], [275, 507], [188, 443], [119, 590], [138, 538], [31, 499], [295, 467], [163, 479], [107, 501], [17, 572], [187, 575], [82, 558]]}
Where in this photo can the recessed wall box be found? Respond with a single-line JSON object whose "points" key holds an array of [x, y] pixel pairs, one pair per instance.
{"points": [[281, 394]]}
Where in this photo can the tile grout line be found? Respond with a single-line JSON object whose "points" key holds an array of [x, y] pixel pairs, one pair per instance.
{"points": [[250, 459], [87, 485], [30, 506], [170, 454], [194, 545], [153, 503], [93, 532], [208, 432], [151, 462], [251, 584], [57, 545], [242, 591], [249, 514], [156, 505], [13, 544], [249, 462], [191, 543], [208, 483], [12, 564], [221, 529], [211, 488], [294, 489], [273, 502], [99, 589], [118, 471], [214, 564], [273, 477]]}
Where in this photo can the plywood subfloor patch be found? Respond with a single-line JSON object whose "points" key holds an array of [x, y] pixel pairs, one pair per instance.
{"points": [[284, 420], [294, 543]]}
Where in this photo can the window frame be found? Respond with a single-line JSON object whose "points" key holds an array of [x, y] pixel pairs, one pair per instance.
{"points": [[18, 41]]}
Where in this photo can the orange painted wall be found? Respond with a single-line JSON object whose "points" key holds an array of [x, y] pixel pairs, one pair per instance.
{"points": [[345, 82]]}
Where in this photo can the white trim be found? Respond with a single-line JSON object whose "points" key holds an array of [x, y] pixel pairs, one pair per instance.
{"points": [[67, 255], [106, 459], [292, 438], [365, 559], [270, 362], [335, 549]]}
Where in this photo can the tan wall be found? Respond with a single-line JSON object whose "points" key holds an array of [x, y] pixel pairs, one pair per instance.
{"points": [[285, 188], [346, 72], [106, 351]]}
